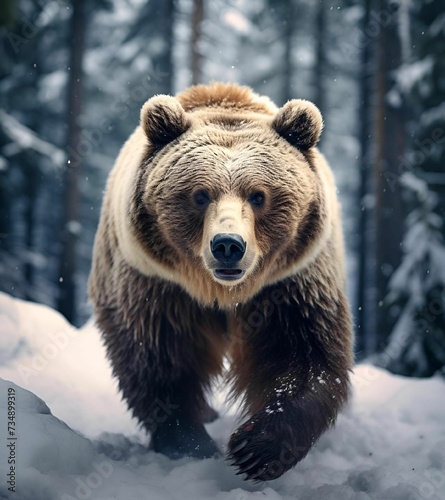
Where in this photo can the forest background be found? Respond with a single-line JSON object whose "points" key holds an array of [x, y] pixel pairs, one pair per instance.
{"points": [[74, 74]]}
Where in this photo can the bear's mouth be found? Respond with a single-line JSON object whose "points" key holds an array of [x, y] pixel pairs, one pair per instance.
{"points": [[229, 274]]}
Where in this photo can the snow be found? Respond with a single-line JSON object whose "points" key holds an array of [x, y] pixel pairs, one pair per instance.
{"points": [[437, 25], [434, 115], [237, 21], [24, 138], [76, 440], [409, 74], [52, 86]]}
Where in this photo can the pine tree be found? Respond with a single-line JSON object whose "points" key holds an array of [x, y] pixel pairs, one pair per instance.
{"points": [[428, 94], [416, 295], [390, 135], [196, 56], [363, 340], [71, 196], [31, 129]]}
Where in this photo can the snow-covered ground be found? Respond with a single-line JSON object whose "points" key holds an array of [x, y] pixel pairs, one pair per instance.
{"points": [[75, 439]]}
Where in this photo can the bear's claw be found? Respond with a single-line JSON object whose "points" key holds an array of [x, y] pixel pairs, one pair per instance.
{"points": [[239, 447], [259, 454], [244, 459], [252, 465]]}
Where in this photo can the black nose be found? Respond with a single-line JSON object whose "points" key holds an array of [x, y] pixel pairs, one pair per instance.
{"points": [[228, 248]]}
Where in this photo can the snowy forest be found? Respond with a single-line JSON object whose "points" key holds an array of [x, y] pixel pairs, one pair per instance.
{"points": [[74, 75]]}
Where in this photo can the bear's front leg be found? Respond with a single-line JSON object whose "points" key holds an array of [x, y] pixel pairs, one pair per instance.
{"points": [[164, 349], [291, 354]]}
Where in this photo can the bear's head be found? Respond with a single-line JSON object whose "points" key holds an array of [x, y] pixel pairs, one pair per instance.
{"points": [[230, 196]]}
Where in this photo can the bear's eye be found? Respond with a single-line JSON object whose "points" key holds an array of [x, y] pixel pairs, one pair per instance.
{"points": [[201, 198], [257, 199]]}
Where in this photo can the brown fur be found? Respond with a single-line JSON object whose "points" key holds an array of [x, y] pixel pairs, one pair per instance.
{"points": [[168, 323], [222, 95]]}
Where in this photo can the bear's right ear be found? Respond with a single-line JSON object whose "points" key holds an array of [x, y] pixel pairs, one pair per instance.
{"points": [[163, 120], [299, 122]]}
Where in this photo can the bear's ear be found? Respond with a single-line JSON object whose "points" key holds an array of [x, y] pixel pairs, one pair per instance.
{"points": [[299, 122], [163, 119]]}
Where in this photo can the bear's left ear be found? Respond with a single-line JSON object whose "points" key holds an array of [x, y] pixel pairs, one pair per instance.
{"points": [[299, 122], [163, 119]]}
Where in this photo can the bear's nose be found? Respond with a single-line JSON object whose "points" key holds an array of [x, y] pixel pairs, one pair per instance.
{"points": [[228, 247]]}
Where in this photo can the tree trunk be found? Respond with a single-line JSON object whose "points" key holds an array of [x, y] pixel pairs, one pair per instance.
{"points": [[166, 62], [32, 187], [31, 192], [196, 55], [70, 229], [389, 216], [363, 314], [320, 64], [289, 29], [5, 210]]}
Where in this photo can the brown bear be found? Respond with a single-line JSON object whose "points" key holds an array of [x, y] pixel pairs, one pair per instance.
{"points": [[220, 237]]}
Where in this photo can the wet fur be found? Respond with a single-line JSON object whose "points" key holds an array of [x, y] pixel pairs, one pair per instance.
{"points": [[167, 325]]}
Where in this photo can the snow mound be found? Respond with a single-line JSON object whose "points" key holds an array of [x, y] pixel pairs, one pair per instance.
{"points": [[388, 444]]}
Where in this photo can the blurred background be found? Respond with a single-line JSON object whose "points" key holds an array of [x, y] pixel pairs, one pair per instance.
{"points": [[74, 74]]}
